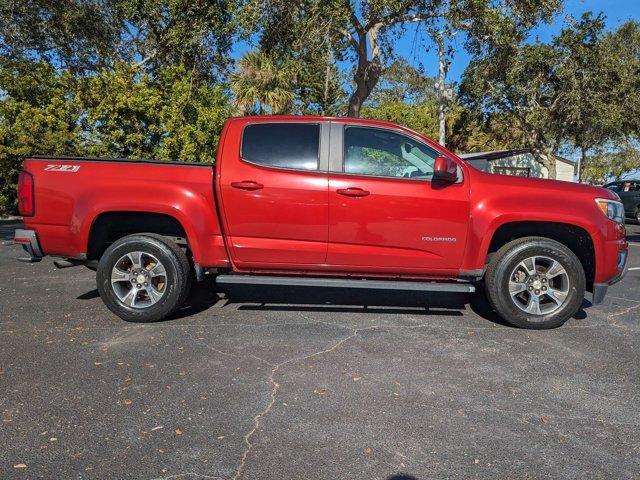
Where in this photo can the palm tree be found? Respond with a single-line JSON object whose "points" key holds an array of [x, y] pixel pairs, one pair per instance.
{"points": [[262, 85]]}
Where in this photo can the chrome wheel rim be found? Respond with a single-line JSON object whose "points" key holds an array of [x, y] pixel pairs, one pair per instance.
{"points": [[539, 285], [139, 280]]}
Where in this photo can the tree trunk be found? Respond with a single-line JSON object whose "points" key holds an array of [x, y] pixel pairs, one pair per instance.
{"points": [[545, 157], [551, 167], [368, 71], [365, 78], [581, 162], [327, 77], [442, 100], [550, 162]]}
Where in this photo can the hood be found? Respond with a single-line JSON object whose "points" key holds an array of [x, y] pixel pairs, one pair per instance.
{"points": [[555, 186]]}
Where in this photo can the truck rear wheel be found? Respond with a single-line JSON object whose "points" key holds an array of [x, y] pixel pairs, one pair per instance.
{"points": [[143, 277], [535, 282]]}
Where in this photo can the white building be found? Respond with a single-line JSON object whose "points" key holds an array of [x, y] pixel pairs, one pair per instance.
{"points": [[519, 162]]}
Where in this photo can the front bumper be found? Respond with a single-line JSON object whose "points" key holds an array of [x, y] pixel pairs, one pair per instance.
{"points": [[600, 289], [29, 241]]}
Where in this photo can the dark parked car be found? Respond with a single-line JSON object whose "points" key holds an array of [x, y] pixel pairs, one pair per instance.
{"points": [[629, 193]]}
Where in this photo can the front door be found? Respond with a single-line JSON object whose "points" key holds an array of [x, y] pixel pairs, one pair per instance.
{"points": [[274, 196], [385, 214]]}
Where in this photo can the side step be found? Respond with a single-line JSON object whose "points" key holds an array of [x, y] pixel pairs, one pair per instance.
{"points": [[345, 283]]}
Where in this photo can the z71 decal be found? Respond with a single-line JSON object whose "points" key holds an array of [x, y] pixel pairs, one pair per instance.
{"points": [[62, 168]]}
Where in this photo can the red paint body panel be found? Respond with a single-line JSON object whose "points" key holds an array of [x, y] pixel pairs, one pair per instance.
{"points": [[296, 221], [398, 224], [67, 203], [283, 222]]}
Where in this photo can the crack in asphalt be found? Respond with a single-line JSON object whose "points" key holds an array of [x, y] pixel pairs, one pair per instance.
{"points": [[275, 386], [188, 474], [617, 324]]}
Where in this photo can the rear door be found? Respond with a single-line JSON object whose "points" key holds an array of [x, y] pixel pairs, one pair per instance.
{"points": [[273, 190], [385, 214]]}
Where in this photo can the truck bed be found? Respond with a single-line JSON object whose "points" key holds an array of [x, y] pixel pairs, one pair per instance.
{"points": [[72, 194]]}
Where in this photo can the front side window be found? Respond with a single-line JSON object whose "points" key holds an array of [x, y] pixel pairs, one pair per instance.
{"points": [[283, 145], [383, 153], [614, 187]]}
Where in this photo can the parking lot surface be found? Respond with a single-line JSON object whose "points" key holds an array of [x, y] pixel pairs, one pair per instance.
{"points": [[283, 383]]}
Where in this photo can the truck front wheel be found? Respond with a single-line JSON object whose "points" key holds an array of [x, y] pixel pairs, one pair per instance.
{"points": [[143, 278], [535, 282]]}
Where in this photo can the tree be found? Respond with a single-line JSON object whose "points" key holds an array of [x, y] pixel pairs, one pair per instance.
{"points": [[408, 97], [38, 115], [171, 116], [364, 32], [485, 25], [298, 33], [567, 91], [88, 35], [75, 34], [600, 81], [159, 33], [262, 85], [605, 165], [119, 112]]}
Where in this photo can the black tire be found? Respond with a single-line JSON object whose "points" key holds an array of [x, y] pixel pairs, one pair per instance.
{"points": [[503, 263], [176, 266]]}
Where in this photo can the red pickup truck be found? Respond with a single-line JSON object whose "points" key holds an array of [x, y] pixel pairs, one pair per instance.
{"points": [[318, 202]]}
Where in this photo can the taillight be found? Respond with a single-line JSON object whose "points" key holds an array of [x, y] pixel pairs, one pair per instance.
{"points": [[26, 200]]}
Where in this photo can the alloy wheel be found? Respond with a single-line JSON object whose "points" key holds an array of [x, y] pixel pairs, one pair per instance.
{"points": [[539, 285], [138, 279]]}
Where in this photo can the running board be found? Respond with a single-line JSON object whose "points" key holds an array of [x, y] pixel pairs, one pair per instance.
{"points": [[345, 283]]}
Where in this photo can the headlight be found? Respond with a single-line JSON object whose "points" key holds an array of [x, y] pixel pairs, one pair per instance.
{"points": [[612, 209]]}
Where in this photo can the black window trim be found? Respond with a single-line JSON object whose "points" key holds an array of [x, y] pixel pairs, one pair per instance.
{"points": [[510, 169], [397, 131], [322, 144]]}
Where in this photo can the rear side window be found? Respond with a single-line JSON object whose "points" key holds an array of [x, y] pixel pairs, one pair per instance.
{"points": [[283, 145]]}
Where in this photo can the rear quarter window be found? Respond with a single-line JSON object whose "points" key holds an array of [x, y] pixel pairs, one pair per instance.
{"points": [[283, 145]]}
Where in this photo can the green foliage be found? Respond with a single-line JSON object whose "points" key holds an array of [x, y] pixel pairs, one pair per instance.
{"points": [[605, 165], [38, 115], [408, 97], [581, 89], [171, 116], [87, 35], [119, 112], [263, 85]]}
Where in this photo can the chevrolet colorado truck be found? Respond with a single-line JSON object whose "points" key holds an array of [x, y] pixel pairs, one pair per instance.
{"points": [[323, 202]]}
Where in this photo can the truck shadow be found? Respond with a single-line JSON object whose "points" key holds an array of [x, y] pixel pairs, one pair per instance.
{"points": [[205, 295], [8, 227]]}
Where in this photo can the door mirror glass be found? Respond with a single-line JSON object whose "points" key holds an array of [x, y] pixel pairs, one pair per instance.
{"points": [[445, 170]]}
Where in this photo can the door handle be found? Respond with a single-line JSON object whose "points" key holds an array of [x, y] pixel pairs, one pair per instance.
{"points": [[247, 185], [352, 192]]}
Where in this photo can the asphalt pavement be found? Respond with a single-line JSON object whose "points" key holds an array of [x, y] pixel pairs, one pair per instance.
{"points": [[284, 383]]}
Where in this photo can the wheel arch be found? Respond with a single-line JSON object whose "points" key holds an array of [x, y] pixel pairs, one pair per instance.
{"points": [[108, 227], [574, 237]]}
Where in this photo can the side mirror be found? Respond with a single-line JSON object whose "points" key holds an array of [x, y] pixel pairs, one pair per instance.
{"points": [[445, 170]]}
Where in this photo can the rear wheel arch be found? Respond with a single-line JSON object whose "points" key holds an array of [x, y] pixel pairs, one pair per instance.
{"points": [[574, 237], [108, 227]]}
